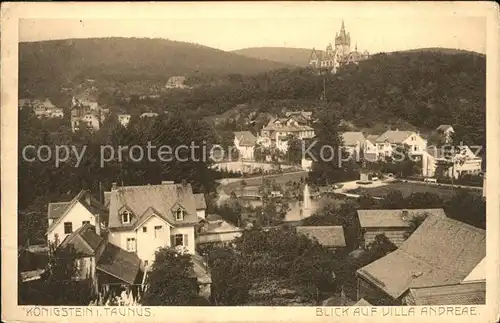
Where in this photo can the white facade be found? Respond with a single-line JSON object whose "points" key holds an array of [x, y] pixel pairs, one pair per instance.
{"points": [[90, 120], [306, 164], [245, 152], [200, 213], [75, 217], [188, 237], [124, 119], [152, 235], [416, 144], [466, 163]]}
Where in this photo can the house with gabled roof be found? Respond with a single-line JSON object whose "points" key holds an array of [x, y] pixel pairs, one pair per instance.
{"points": [[245, 142], [279, 129], [66, 217], [441, 251], [456, 161], [100, 261], [145, 218], [390, 139]]}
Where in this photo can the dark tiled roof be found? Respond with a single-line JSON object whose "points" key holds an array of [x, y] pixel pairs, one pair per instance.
{"points": [[457, 294], [199, 200], [441, 251], [392, 218], [328, 236], [119, 263], [162, 198], [57, 209], [84, 240]]}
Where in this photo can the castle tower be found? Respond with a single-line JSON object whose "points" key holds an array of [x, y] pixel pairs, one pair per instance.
{"points": [[343, 41]]}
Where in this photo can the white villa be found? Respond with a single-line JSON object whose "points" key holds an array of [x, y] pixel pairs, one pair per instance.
{"points": [[462, 161], [276, 132], [385, 144], [116, 240], [145, 218]]}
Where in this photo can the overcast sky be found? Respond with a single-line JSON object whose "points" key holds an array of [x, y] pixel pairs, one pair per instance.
{"points": [[385, 33]]}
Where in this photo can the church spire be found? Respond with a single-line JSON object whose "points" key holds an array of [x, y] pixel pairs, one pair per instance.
{"points": [[342, 28]]}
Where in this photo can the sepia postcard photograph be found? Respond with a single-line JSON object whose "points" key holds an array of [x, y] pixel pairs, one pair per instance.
{"points": [[250, 161]]}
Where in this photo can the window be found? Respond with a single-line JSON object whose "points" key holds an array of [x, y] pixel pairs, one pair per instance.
{"points": [[178, 240], [126, 215], [157, 231], [68, 227], [144, 229], [130, 244], [85, 222], [179, 215]]}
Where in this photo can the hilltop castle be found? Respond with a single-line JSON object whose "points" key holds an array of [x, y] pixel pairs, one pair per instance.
{"points": [[332, 59]]}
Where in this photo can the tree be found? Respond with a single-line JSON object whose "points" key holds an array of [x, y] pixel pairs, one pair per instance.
{"points": [[294, 152], [467, 207], [344, 215], [394, 199], [170, 281], [423, 200], [327, 164], [380, 247], [415, 222], [230, 281]]}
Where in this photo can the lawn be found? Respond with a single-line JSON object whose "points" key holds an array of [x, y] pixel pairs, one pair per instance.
{"points": [[445, 192]]}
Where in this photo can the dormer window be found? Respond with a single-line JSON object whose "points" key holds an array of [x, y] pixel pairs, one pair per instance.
{"points": [[126, 216], [179, 214]]}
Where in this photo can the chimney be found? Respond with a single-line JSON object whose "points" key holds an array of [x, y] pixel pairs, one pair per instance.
{"points": [[98, 224], [113, 186]]}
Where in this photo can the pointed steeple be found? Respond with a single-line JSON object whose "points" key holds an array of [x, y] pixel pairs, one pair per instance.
{"points": [[356, 47], [342, 28]]}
